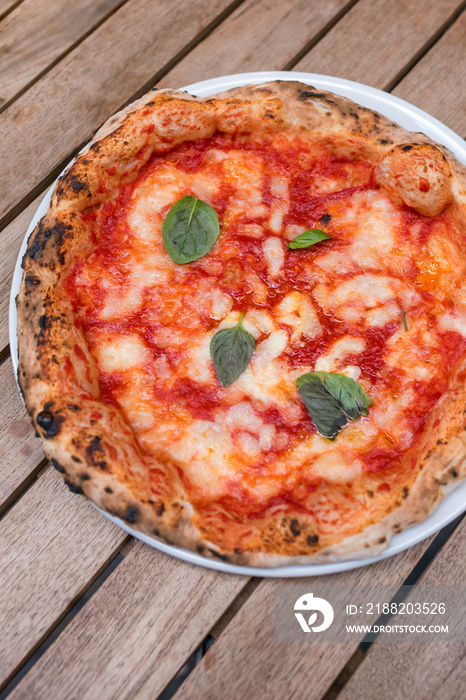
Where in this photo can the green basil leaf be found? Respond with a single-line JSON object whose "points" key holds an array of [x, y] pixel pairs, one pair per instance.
{"points": [[231, 350], [190, 229], [324, 410], [338, 399], [308, 238]]}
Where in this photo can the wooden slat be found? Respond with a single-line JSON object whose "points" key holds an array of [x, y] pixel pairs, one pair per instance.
{"points": [[436, 669], [260, 35], [438, 83], [135, 632], [7, 5], [51, 545], [374, 42], [10, 243], [20, 450], [246, 661], [37, 32], [63, 108]]}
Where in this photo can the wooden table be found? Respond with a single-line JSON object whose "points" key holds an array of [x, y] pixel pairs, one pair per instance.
{"points": [[85, 610]]}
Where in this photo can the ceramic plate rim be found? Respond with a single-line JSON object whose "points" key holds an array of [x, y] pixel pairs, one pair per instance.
{"points": [[411, 118]]}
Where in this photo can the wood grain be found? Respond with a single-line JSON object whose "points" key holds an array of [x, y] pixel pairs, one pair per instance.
{"points": [[422, 670], [135, 632], [438, 82], [271, 669], [376, 39], [7, 5], [10, 242], [63, 109], [258, 36], [20, 450], [52, 544], [37, 32]]}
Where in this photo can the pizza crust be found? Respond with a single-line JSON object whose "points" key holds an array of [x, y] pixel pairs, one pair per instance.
{"points": [[91, 443]]}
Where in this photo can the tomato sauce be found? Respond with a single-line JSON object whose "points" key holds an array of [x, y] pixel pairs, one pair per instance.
{"points": [[304, 166]]}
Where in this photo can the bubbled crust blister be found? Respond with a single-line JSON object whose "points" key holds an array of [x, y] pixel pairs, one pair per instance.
{"points": [[100, 456]]}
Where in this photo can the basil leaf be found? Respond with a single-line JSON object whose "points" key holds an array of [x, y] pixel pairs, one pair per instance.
{"points": [[324, 410], [330, 405], [190, 229], [230, 350], [308, 238]]}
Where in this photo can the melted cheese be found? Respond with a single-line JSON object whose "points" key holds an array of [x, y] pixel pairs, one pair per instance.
{"points": [[314, 309]]}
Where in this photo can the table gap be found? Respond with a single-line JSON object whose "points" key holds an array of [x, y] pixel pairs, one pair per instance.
{"points": [[55, 172], [65, 53], [426, 48], [315, 40], [63, 621], [12, 7], [413, 577]]}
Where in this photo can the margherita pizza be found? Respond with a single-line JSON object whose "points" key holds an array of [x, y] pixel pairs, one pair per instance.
{"points": [[242, 324]]}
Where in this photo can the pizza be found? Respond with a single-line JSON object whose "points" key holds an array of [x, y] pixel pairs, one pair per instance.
{"points": [[242, 324]]}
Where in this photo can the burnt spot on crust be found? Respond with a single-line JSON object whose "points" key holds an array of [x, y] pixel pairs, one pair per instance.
{"points": [[159, 509], [312, 539], [48, 423], [84, 476], [406, 148], [370, 493], [95, 453], [31, 281], [75, 458], [108, 489], [45, 322], [57, 234], [381, 540], [72, 487], [325, 218], [453, 473], [200, 548], [405, 492], [56, 465], [355, 115], [131, 515], [222, 557], [304, 94], [294, 527]]}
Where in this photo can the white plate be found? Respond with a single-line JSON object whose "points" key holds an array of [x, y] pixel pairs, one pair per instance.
{"points": [[409, 117]]}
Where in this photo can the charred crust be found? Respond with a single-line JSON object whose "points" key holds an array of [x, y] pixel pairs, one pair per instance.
{"points": [[406, 148], [312, 539], [131, 515], [75, 458], [31, 281], [108, 489], [159, 509], [405, 492], [200, 548], [56, 465], [370, 493], [222, 557], [44, 322], [294, 527], [381, 540], [304, 94], [48, 423], [56, 233], [454, 473], [72, 487], [84, 476], [95, 452], [325, 218]]}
